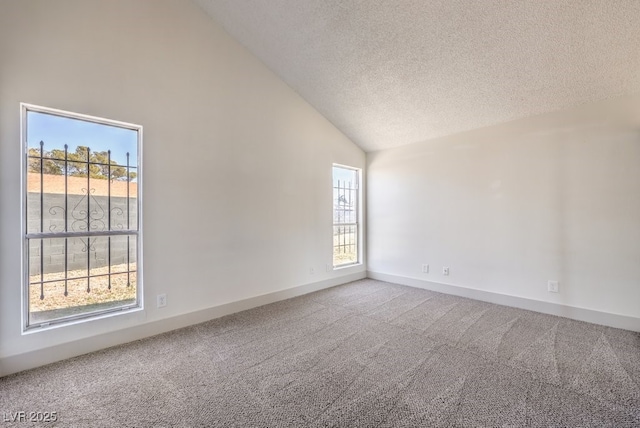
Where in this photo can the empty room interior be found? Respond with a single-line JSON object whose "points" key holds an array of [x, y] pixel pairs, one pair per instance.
{"points": [[282, 213]]}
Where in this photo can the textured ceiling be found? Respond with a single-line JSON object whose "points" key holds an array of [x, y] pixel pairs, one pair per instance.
{"points": [[394, 72]]}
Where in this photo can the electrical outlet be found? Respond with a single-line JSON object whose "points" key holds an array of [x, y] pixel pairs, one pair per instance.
{"points": [[552, 287], [445, 271], [425, 268], [311, 271], [162, 300]]}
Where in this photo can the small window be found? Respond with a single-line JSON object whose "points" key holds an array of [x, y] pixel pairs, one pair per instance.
{"points": [[82, 186], [346, 216]]}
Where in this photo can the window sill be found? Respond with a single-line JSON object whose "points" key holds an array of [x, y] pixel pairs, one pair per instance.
{"points": [[350, 265], [81, 320]]}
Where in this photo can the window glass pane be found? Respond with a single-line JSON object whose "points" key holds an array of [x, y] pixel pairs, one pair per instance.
{"points": [[345, 241], [80, 280], [56, 131], [81, 216], [345, 215]]}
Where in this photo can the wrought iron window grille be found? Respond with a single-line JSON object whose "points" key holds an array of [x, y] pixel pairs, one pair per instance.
{"points": [[346, 218], [78, 220]]}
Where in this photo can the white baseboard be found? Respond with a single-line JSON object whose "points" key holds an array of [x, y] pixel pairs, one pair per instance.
{"points": [[28, 360], [580, 314]]}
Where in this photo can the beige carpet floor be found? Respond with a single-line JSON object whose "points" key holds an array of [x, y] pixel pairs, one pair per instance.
{"points": [[365, 354]]}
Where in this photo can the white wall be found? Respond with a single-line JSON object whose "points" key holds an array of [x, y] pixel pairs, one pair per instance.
{"points": [[509, 207], [223, 138]]}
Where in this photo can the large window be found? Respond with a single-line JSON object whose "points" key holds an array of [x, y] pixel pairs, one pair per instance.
{"points": [[82, 236], [346, 215]]}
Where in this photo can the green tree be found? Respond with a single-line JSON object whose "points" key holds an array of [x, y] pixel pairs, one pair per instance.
{"points": [[99, 166], [49, 166]]}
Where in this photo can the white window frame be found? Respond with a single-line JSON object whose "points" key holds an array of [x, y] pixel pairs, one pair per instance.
{"points": [[73, 319], [358, 224]]}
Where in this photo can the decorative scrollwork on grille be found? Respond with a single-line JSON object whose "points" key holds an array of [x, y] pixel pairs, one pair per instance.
{"points": [[90, 218], [117, 212], [54, 211]]}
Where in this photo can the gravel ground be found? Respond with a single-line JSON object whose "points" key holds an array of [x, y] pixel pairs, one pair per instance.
{"points": [[77, 294]]}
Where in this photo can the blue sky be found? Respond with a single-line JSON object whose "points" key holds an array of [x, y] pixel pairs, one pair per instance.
{"points": [[56, 131], [344, 175]]}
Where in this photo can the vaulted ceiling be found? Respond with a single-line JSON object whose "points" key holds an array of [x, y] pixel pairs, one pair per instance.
{"points": [[394, 72]]}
